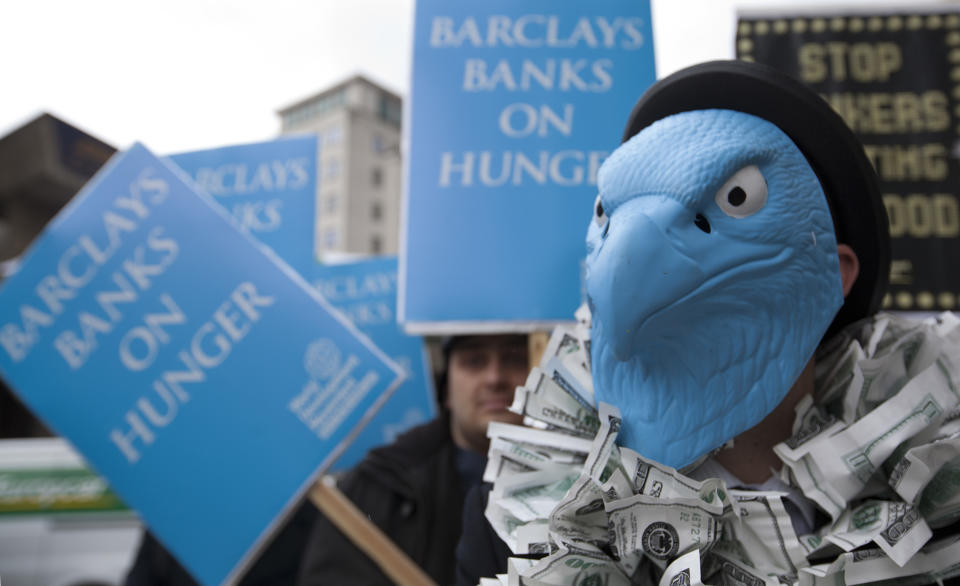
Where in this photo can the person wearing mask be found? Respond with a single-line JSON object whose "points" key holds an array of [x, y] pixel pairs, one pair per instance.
{"points": [[761, 422]]}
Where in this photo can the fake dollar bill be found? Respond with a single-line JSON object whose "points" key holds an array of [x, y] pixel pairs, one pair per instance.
{"points": [[657, 480], [569, 348], [765, 532], [574, 565], [660, 529], [936, 561], [684, 571], [522, 449], [920, 465], [896, 527], [551, 397]]}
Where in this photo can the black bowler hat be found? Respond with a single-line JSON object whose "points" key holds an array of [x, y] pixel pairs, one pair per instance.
{"points": [[834, 153]]}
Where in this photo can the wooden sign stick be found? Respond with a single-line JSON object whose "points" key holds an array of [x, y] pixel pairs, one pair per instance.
{"points": [[366, 536], [536, 346]]}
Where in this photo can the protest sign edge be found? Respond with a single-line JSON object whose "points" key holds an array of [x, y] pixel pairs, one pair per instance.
{"points": [[282, 138], [405, 180], [453, 328]]}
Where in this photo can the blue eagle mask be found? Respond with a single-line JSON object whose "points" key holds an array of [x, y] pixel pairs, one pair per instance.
{"points": [[712, 275]]}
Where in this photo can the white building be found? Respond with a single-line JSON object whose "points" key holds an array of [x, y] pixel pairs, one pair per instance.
{"points": [[358, 199]]}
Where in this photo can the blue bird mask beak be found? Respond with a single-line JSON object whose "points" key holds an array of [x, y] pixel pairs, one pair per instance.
{"points": [[638, 243]]}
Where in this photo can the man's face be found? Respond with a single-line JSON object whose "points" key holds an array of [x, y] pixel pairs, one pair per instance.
{"points": [[483, 372]]}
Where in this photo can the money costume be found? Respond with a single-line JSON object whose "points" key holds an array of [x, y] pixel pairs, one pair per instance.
{"points": [[738, 229], [877, 448]]}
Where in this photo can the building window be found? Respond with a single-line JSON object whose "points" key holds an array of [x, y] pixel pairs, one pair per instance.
{"points": [[333, 136], [376, 176], [332, 169], [376, 245], [332, 203], [376, 210], [313, 109], [390, 110], [383, 146], [330, 238]]}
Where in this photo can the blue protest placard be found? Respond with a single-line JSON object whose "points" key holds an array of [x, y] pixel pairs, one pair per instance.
{"points": [[268, 187], [200, 375], [366, 293], [514, 106]]}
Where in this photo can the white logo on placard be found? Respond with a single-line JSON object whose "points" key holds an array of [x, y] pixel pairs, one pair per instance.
{"points": [[333, 391], [322, 359]]}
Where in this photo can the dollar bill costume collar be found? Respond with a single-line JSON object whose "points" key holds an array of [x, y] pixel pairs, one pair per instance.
{"points": [[877, 448], [712, 263]]}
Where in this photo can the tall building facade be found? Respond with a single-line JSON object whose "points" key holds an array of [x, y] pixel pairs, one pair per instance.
{"points": [[359, 167]]}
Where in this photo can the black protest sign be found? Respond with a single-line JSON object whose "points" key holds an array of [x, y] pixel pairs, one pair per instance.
{"points": [[895, 79]]}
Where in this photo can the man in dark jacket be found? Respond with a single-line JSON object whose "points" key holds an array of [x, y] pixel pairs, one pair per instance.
{"points": [[413, 489]]}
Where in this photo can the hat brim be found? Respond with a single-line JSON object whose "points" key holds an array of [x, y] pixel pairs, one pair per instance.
{"points": [[834, 153]]}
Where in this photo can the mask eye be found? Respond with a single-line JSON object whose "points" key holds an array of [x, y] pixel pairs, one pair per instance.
{"points": [[599, 216], [744, 194]]}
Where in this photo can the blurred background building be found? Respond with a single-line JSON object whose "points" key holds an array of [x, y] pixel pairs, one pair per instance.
{"points": [[358, 126], [42, 165]]}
